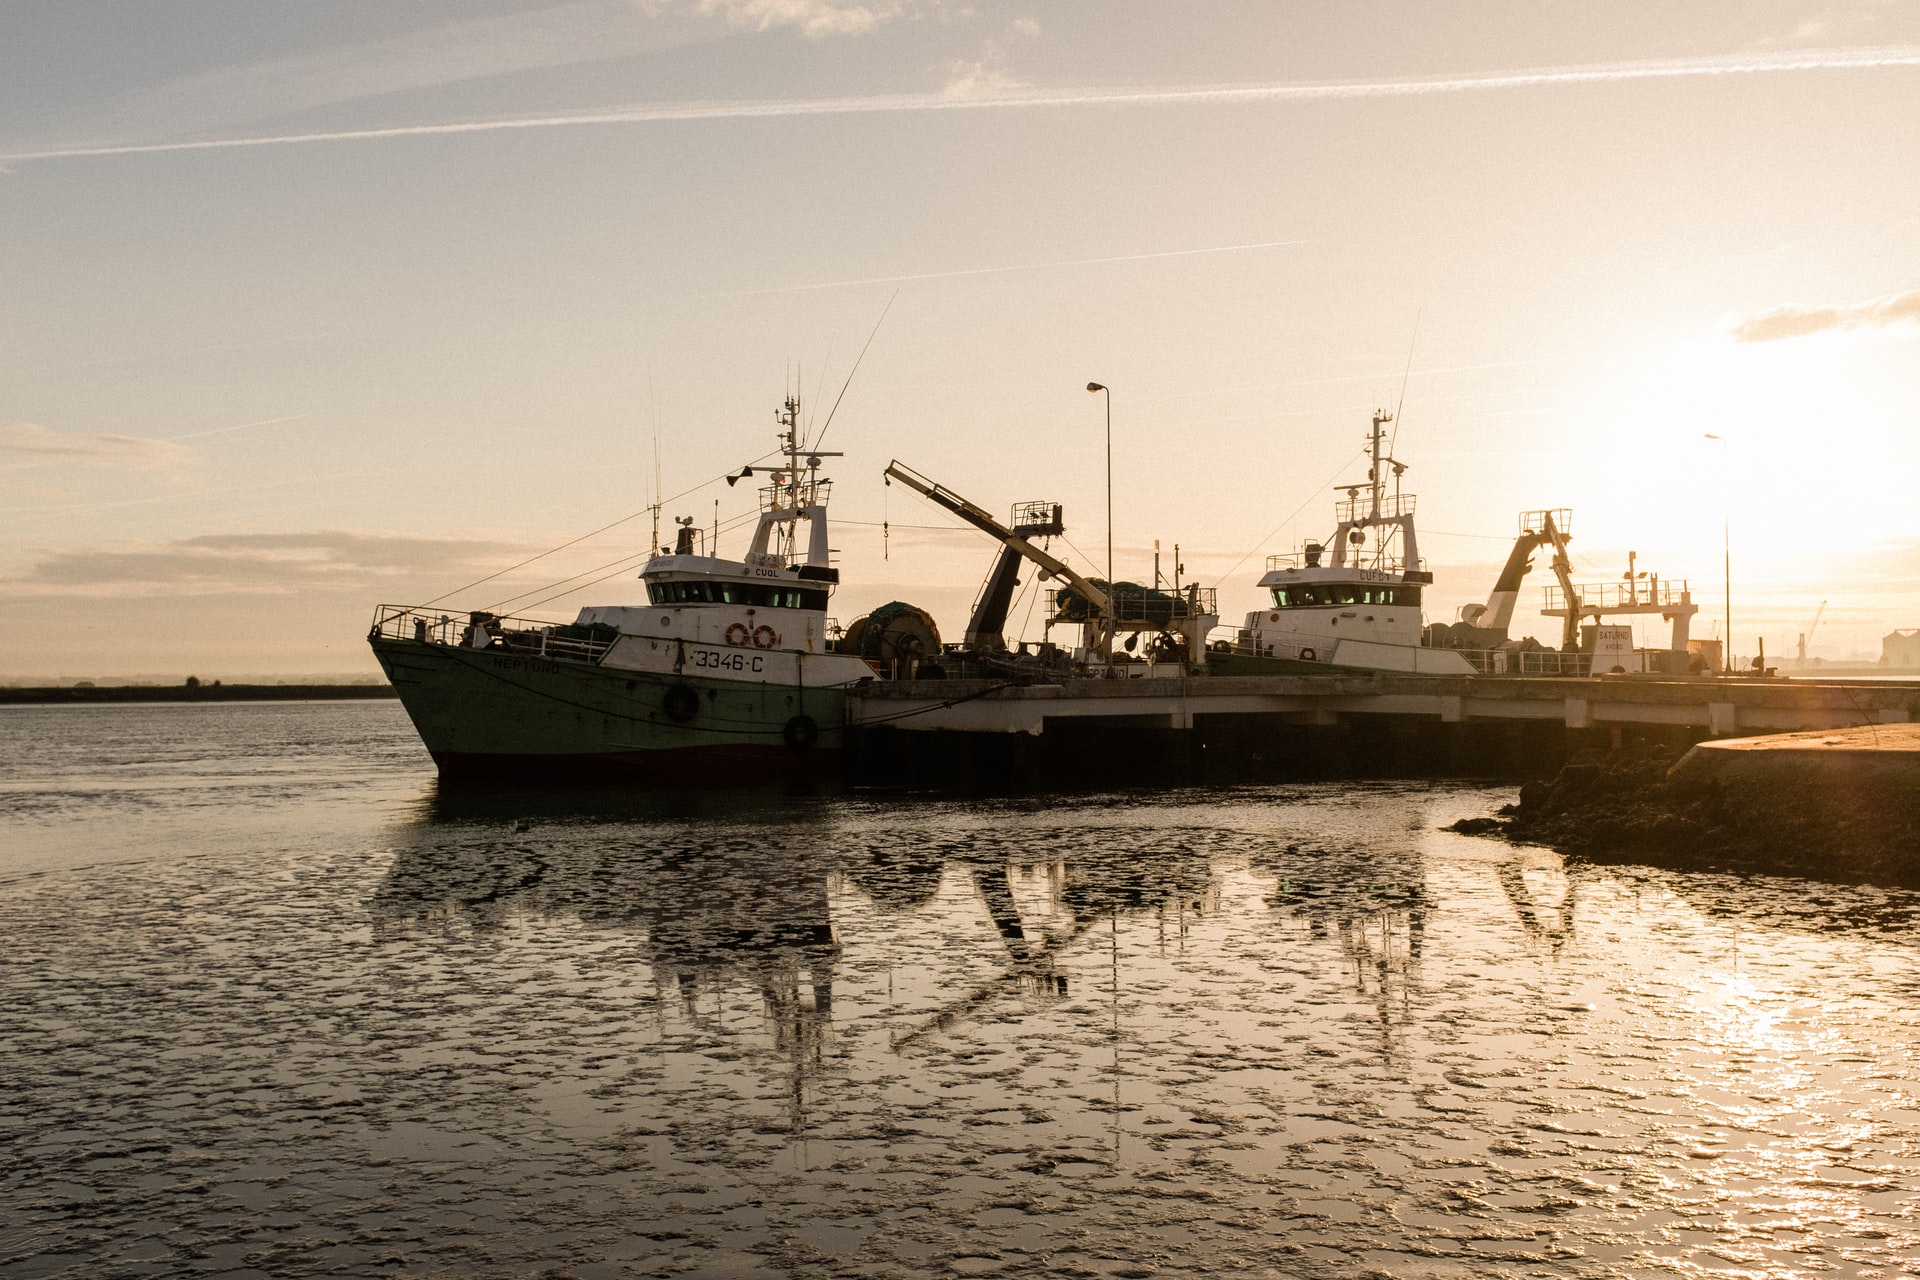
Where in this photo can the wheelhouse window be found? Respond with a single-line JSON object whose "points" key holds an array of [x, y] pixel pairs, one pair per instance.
{"points": [[1339, 593], [763, 595]]}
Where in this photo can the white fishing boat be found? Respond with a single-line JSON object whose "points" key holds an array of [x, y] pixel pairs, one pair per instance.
{"points": [[1353, 602]]}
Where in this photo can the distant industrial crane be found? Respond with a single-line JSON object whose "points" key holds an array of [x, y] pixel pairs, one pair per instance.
{"points": [[1805, 636]]}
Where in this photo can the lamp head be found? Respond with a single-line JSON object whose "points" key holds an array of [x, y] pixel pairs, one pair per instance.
{"points": [[1094, 386]]}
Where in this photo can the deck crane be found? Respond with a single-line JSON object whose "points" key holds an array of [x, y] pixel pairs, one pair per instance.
{"points": [[1807, 635], [1554, 525], [989, 617]]}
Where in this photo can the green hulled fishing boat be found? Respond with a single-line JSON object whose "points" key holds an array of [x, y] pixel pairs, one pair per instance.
{"points": [[727, 666]]}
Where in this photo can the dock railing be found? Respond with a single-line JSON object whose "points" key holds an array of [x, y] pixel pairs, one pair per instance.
{"points": [[528, 637], [1527, 662]]}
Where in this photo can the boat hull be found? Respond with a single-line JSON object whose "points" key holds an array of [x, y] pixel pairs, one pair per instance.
{"points": [[489, 713]]}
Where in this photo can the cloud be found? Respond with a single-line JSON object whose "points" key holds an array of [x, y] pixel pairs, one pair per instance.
{"points": [[27, 439], [1900, 310], [989, 73], [261, 564], [812, 17], [659, 112]]}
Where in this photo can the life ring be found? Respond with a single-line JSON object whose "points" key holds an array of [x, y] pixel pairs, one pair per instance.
{"points": [[737, 633], [1308, 655], [1273, 617], [801, 732], [680, 702], [765, 637]]}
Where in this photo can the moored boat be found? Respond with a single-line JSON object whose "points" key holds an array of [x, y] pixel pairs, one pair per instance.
{"points": [[727, 663], [1354, 602]]}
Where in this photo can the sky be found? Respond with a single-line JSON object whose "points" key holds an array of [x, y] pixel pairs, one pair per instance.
{"points": [[307, 308]]}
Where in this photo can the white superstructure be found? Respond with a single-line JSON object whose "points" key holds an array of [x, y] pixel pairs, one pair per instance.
{"points": [[762, 618], [1355, 602]]}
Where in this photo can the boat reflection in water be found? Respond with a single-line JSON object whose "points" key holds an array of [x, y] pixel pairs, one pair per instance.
{"points": [[724, 891], [748, 905], [1300, 1031], [1282, 1032]]}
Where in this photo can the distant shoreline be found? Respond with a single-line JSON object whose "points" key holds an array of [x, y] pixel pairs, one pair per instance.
{"points": [[67, 695]]}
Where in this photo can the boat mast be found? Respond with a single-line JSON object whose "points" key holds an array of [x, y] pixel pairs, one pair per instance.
{"points": [[1380, 419], [788, 417]]}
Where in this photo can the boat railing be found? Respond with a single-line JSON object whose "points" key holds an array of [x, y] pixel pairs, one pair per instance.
{"points": [[1142, 607], [1613, 597], [1400, 504], [1322, 559], [1561, 518], [1236, 641], [528, 637], [814, 491]]}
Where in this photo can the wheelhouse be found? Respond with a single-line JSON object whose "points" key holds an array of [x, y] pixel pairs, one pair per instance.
{"points": [[1323, 594], [763, 595]]}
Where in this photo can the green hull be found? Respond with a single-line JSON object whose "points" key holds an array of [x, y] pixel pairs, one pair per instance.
{"points": [[487, 711]]}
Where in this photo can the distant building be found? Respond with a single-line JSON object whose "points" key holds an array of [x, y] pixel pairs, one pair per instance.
{"points": [[1901, 649]]}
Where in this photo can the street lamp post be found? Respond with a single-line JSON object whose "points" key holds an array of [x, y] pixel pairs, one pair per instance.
{"points": [[1112, 595], [1726, 551]]}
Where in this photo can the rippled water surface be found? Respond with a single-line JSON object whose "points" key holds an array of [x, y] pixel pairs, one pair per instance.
{"points": [[272, 1005]]}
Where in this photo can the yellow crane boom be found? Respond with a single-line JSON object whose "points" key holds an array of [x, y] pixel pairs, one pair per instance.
{"points": [[1098, 602]]}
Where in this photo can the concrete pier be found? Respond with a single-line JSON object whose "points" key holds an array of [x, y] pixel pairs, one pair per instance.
{"points": [[1873, 764], [1162, 731], [1713, 708]]}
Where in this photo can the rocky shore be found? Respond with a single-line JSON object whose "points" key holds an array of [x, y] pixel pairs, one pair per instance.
{"points": [[1842, 805]]}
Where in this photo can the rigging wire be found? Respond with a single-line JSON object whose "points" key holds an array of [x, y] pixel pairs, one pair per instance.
{"points": [[1033, 598], [1268, 537], [1406, 374], [581, 587], [856, 368], [534, 591], [819, 387], [882, 524], [583, 537], [1077, 551]]}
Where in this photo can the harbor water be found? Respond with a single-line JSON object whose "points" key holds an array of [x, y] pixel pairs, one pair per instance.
{"points": [[272, 1003]]}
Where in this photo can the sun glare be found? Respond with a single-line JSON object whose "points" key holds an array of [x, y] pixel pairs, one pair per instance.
{"points": [[1793, 443]]}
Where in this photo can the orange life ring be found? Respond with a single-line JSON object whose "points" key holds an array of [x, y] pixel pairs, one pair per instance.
{"points": [[737, 633], [1273, 617], [765, 637]]}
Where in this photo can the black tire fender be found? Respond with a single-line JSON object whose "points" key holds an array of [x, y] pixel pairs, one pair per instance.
{"points": [[680, 702], [801, 732], [1308, 655]]}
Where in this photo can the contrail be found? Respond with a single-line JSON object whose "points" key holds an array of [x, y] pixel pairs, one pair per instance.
{"points": [[649, 113], [1022, 266], [244, 426]]}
